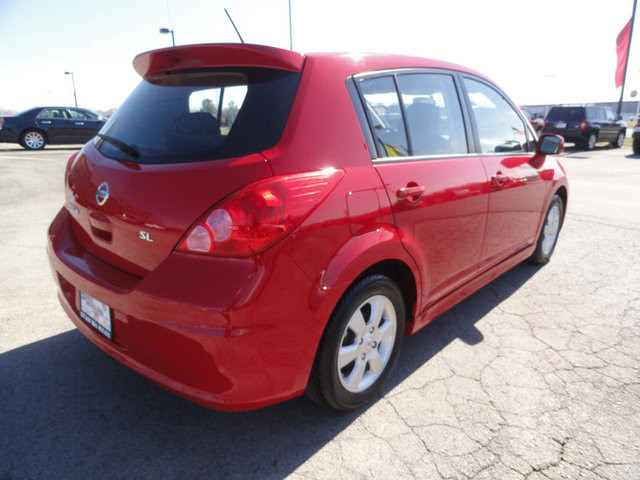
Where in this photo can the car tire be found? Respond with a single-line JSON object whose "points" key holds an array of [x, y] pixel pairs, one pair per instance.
{"points": [[33, 139], [549, 232], [619, 141], [590, 144], [359, 348], [636, 146]]}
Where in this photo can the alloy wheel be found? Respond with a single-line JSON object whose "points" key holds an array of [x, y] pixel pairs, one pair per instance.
{"points": [[34, 140], [551, 229], [367, 344]]}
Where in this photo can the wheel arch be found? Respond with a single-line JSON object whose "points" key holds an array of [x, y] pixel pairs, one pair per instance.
{"points": [[401, 274], [380, 251]]}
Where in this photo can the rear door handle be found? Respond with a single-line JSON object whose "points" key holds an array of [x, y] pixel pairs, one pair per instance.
{"points": [[411, 192], [45, 121], [78, 123]]}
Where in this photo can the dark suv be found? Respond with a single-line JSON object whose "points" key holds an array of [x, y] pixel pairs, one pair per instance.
{"points": [[585, 126]]}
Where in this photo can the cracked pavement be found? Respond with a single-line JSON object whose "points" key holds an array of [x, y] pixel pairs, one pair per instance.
{"points": [[536, 376]]}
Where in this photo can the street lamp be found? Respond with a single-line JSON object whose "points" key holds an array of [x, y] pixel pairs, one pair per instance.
{"points": [[73, 80], [167, 30]]}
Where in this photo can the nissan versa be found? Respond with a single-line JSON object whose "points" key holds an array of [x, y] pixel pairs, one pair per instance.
{"points": [[253, 223]]}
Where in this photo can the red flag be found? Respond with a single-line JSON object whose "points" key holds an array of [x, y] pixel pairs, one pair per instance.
{"points": [[622, 49]]}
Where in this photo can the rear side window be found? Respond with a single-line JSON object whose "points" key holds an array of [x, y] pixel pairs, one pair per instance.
{"points": [[433, 114], [385, 116], [500, 128], [201, 115], [53, 113]]}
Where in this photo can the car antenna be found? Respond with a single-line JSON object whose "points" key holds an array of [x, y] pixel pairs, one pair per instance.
{"points": [[234, 25]]}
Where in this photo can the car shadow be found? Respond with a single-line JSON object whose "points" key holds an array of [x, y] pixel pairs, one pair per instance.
{"points": [[70, 411]]}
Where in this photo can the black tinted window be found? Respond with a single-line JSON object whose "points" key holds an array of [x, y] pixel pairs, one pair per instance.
{"points": [[500, 128], [383, 110], [201, 115], [433, 114], [573, 114]]}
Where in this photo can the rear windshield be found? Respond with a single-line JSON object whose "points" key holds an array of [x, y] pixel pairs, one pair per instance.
{"points": [[200, 115], [566, 113]]}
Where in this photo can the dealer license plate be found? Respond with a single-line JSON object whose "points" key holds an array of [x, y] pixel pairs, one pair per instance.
{"points": [[96, 314]]}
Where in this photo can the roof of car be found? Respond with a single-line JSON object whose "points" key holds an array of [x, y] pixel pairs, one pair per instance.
{"points": [[243, 54]]}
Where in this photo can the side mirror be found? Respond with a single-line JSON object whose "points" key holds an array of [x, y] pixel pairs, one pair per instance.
{"points": [[550, 144]]}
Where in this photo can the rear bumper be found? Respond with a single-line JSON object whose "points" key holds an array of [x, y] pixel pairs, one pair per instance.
{"points": [[209, 329], [7, 135]]}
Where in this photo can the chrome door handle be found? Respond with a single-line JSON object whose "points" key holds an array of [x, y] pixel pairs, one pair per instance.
{"points": [[45, 121], [498, 179], [412, 193], [78, 123]]}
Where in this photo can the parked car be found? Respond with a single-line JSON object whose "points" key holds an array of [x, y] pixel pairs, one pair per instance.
{"points": [[586, 126], [536, 122], [35, 128], [348, 201]]}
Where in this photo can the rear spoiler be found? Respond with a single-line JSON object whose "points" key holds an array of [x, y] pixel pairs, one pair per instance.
{"points": [[216, 55]]}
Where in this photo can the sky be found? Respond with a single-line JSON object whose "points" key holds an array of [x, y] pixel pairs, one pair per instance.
{"points": [[544, 51]]}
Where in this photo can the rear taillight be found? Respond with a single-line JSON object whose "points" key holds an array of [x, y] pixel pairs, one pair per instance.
{"points": [[583, 125], [258, 215], [1, 122]]}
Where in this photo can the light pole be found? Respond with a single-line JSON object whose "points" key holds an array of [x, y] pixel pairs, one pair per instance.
{"points": [[73, 81], [168, 30]]}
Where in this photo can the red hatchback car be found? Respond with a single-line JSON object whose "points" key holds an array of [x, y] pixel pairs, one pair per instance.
{"points": [[253, 223]]}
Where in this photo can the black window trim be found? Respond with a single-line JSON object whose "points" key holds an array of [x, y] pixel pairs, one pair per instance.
{"points": [[370, 76], [358, 105], [471, 134]]}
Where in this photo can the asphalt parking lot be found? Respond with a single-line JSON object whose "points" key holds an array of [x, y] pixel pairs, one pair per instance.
{"points": [[536, 376]]}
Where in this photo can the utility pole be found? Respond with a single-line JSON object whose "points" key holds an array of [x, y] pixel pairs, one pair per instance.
{"points": [[169, 30], [626, 63], [73, 81], [290, 32]]}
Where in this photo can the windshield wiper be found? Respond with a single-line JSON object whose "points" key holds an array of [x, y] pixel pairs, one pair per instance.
{"points": [[126, 148]]}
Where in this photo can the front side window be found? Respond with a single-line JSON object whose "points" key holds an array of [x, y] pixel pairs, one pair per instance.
{"points": [[199, 115], [385, 116], [80, 115], [433, 114], [500, 128]]}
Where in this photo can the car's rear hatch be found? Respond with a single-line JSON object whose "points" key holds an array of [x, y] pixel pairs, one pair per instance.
{"points": [[189, 135], [565, 118]]}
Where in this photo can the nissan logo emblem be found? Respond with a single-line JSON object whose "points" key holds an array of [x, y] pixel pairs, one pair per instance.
{"points": [[102, 194]]}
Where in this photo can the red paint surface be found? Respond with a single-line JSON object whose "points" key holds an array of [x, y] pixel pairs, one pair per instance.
{"points": [[239, 333]]}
